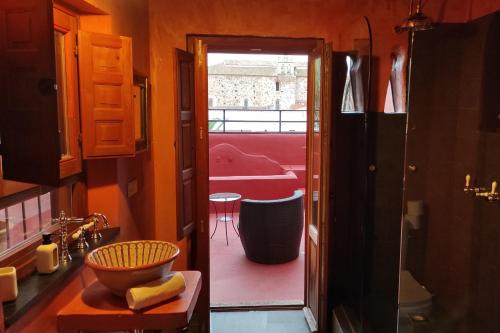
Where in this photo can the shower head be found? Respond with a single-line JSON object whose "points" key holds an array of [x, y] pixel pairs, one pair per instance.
{"points": [[416, 21]]}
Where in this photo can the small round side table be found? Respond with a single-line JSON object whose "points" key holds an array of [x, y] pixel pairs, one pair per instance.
{"points": [[224, 197]]}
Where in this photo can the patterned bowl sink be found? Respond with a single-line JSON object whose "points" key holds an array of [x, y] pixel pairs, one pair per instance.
{"points": [[120, 266]]}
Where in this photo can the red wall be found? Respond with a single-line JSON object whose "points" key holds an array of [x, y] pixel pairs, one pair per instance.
{"points": [[257, 166], [286, 149]]}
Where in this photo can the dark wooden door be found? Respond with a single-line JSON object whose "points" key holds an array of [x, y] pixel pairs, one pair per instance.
{"points": [[29, 119], [201, 240], [185, 144]]}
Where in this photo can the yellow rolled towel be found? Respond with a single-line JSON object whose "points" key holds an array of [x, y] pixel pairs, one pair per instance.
{"points": [[156, 291]]}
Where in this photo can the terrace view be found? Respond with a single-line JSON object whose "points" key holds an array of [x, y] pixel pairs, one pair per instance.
{"points": [[257, 140]]}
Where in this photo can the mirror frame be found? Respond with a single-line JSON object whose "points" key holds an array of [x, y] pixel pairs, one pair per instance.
{"points": [[142, 81]]}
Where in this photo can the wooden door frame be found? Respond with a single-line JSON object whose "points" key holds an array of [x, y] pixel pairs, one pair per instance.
{"points": [[324, 52], [200, 45]]}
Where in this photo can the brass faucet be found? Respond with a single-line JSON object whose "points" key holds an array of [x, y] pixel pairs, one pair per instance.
{"points": [[95, 218], [491, 196], [472, 190], [91, 221], [65, 257]]}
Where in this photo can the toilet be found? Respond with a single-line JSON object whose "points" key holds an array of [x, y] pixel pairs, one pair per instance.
{"points": [[413, 297]]}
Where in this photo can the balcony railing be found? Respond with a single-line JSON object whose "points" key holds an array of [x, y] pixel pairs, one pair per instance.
{"points": [[257, 121]]}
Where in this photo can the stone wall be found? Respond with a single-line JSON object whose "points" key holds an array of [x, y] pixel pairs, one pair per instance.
{"points": [[268, 85]]}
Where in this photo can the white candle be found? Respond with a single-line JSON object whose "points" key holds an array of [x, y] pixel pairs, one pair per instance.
{"points": [[8, 284]]}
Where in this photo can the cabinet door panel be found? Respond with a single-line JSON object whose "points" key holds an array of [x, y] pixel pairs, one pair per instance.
{"points": [[28, 117], [105, 64]]}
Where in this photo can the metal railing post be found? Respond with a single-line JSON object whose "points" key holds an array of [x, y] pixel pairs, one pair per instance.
{"points": [[280, 120], [224, 121]]}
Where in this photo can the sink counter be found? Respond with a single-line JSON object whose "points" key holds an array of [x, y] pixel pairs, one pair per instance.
{"points": [[36, 287]]}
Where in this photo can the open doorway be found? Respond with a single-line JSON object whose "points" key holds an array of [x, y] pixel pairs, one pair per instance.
{"points": [[257, 121], [192, 145]]}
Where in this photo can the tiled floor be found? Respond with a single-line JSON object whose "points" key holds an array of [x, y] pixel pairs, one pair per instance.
{"points": [[259, 322], [235, 280]]}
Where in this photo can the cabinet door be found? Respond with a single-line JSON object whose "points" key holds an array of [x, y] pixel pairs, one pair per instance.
{"points": [[105, 68], [28, 124], [65, 30]]}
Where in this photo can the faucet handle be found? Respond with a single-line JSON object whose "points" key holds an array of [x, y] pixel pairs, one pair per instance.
{"points": [[494, 195], [467, 181], [467, 188], [104, 220], [96, 235], [494, 185]]}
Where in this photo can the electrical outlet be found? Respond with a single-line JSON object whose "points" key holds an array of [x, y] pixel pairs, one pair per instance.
{"points": [[132, 187]]}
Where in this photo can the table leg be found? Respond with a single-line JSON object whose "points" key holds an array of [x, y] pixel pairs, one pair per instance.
{"points": [[225, 220], [216, 219]]}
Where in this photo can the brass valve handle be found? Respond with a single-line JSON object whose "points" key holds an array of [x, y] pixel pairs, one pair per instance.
{"points": [[467, 181], [494, 185], [494, 196]]}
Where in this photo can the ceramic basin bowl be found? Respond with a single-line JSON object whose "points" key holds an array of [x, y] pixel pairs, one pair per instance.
{"points": [[120, 266]]}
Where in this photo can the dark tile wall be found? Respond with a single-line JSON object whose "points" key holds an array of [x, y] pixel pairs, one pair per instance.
{"points": [[347, 199], [365, 216], [386, 139], [455, 254]]}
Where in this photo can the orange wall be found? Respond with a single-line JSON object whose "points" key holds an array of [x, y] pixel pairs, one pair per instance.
{"points": [[151, 213], [107, 179], [171, 20]]}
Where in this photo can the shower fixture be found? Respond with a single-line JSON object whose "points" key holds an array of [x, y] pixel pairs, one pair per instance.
{"points": [[417, 20], [491, 196]]}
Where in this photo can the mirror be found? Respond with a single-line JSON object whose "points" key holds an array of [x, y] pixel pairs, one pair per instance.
{"points": [[140, 93], [395, 98], [62, 93], [356, 42], [449, 279], [351, 67]]}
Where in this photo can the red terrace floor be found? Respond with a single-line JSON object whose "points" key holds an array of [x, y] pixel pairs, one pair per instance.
{"points": [[235, 280]]}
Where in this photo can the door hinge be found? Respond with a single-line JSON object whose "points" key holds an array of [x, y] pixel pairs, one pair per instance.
{"points": [[75, 48], [201, 133], [202, 226]]}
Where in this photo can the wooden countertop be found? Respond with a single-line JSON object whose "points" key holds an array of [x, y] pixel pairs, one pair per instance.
{"points": [[96, 309], [38, 287]]}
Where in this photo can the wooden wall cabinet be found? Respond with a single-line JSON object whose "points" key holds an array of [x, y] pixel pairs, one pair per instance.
{"points": [[105, 66], [29, 119], [40, 143]]}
